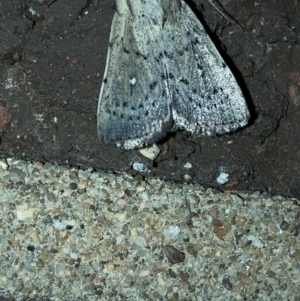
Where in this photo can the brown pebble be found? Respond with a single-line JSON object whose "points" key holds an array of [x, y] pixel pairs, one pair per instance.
{"points": [[284, 225], [174, 256], [139, 178], [216, 222], [219, 232], [4, 118], [227, 284], [73, 175]]}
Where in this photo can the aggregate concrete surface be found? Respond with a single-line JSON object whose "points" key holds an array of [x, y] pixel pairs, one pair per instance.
{"points": [[69, 235]]}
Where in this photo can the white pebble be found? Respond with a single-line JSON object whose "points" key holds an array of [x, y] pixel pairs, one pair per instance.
{"points": [[187, 165], [140, 167], [223, 178], [3, 165], [150, 152], [172, 232]]}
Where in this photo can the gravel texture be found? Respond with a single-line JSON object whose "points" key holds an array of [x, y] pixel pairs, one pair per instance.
{"points": [[71, 234]]}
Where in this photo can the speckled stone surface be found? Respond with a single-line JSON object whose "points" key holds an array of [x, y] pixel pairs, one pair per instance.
{"points": [[70, 234]]}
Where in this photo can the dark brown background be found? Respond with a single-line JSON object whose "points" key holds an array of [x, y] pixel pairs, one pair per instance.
{"points": [[51, 67]]}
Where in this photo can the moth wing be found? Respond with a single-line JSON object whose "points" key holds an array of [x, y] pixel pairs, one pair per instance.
{"points": [[134, 103], [207, 99]]}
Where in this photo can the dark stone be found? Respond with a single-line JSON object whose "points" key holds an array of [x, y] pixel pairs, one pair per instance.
{"points": [[284, 225], [174, 256], [52, 65], [31, 248], [73, 186], [227, 284]]}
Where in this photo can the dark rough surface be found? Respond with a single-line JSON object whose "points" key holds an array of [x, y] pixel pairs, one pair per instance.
{"points": [[51, 67]]}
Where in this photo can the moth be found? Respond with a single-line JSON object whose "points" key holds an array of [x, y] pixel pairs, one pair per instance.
{"points": [[164, 72]]}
